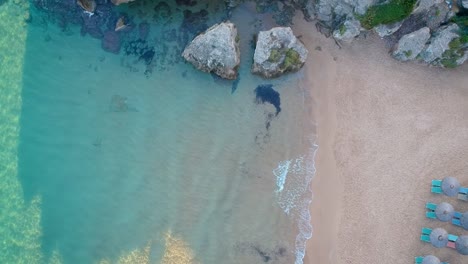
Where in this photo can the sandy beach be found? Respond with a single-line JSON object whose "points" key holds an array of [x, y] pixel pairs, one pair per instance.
{"points": [[385, 130]]}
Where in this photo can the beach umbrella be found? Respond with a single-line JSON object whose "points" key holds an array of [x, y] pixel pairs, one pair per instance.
{"points": [[464, 220], [462, 245], [450, 186], [439, 237], [444, 212], [429, 259]]}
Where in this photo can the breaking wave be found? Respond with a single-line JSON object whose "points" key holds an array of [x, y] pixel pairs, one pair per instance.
{"points": [[294, 195]]}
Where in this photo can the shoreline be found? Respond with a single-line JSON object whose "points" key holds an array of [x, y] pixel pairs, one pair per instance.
{"points": [[380, 122]]}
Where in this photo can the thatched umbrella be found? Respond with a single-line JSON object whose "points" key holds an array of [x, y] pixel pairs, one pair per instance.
{"points": [[439, 237], [450, 186], [429, 259], [464, 220], [462, 245], [444, 212]]}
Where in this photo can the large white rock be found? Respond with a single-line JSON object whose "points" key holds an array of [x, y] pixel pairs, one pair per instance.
{"points": [[278, 51], [216, 50], [439, 42], [410, 45], [465, 3], [348, 30]]}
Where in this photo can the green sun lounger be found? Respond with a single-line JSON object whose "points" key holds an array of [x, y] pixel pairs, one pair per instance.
{"points": [[431, 215], [435, 189], [426, 231], [452, 237], [425, 238], [437, 183], [431, 206]]}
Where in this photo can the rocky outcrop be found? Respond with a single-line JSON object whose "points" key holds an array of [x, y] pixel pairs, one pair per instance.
{"points": [[118, 2], [464, 3], [410, 45], [348, 30], [216, 50], [278, 51], [87, 5], [439, 43]]}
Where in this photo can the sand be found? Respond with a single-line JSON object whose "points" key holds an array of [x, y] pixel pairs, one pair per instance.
{"points": [[385, 130]]}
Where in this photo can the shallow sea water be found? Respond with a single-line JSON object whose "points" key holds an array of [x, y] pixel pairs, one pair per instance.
{"points": [[103, 161]]}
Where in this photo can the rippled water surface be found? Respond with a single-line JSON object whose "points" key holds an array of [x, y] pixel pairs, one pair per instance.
{"points": [[110, 159]]}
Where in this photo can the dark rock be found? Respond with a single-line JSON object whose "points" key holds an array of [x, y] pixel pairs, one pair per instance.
{"points": [[195, 22], [91, 25], [140, 49], [186, 2], [162, 11], [111, 42], [143, 30]]}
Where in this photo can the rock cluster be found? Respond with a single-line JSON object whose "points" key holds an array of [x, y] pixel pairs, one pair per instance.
{"points": [[217, 50]]}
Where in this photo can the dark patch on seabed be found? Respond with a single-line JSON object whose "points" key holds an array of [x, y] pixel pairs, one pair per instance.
{"points": [[266, 94], [266, 255]]}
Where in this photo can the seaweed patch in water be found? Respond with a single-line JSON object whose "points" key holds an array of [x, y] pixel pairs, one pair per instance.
{"points": [[266, 94]]}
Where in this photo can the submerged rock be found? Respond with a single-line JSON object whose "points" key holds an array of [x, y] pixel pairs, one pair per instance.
{"points": [[111, 41], [347, 31], [439, 43], [216, 50], [278, 51], [143, 30], [410, 45]]}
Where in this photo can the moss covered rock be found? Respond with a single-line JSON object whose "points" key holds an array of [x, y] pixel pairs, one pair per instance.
{"points": [[278, 51]]}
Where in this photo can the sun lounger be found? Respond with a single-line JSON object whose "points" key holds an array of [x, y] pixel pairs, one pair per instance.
{"points": [[456, 222], [451, 244], [419, 260], [463, 197], [452, 237], [426, 231], [431, 206], [436, 183], [431, 215], [425, 238], [436, 190], [457, 215], [463, 190]]}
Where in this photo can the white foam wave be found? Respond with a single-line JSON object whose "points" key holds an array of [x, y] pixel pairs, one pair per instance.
{"points": [[294, 196]]}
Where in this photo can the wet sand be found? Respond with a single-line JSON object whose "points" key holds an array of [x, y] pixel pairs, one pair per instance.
{"points": [[385, 130]]}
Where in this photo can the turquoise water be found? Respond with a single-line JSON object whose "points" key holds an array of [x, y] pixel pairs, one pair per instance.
{"points": [[126, 165]]}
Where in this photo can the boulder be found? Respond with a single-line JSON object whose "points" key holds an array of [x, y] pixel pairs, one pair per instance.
{"points": [[439, 43], [465, 3], [348, 30], [278, 51], [410, 45], [216, 50], [118, 2], [87, 5], [387, 30]]}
